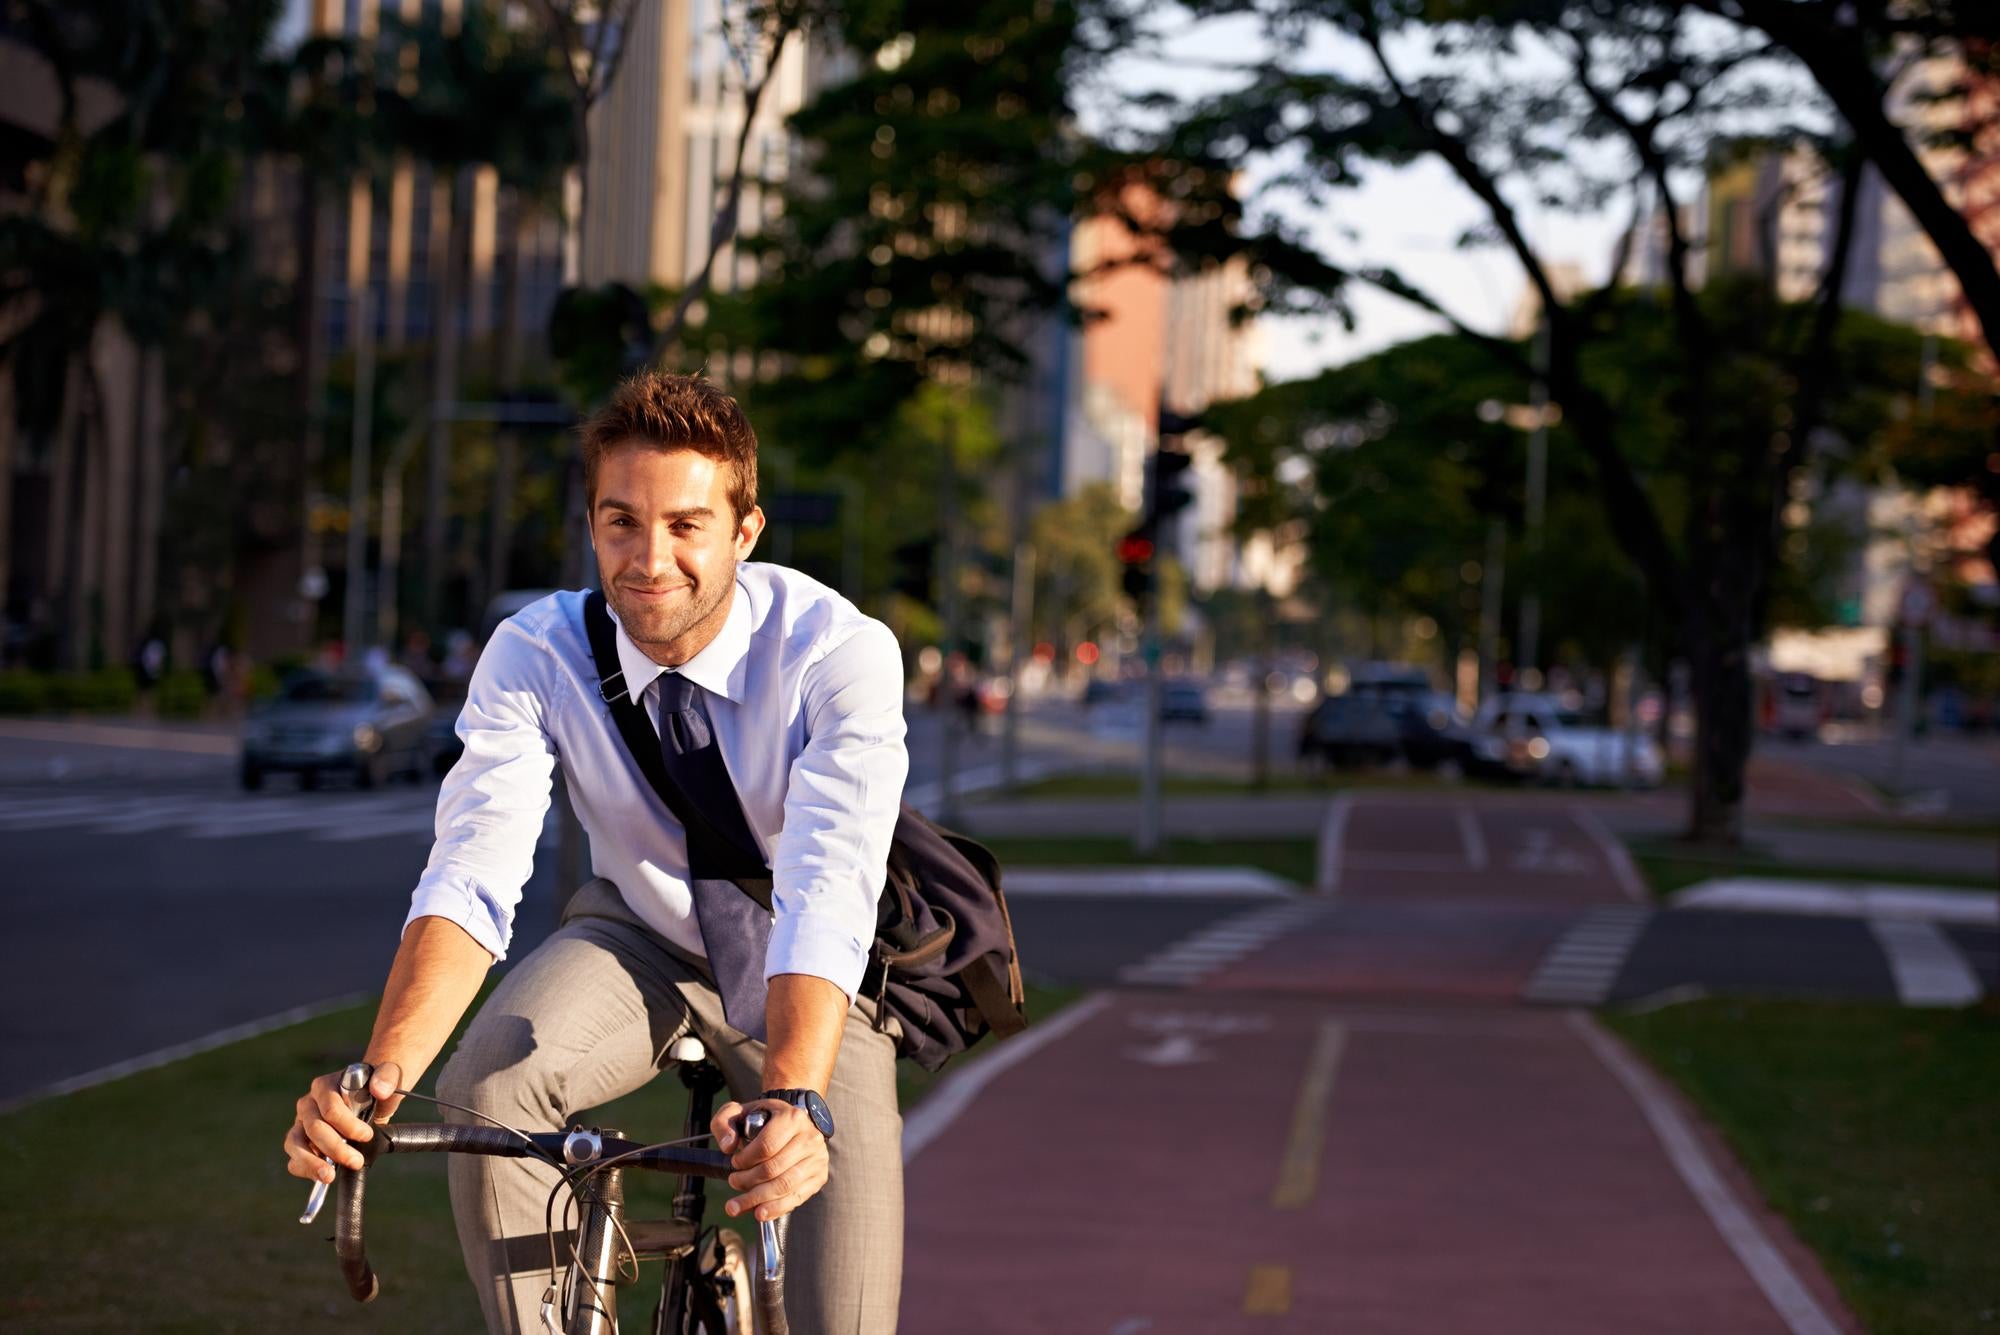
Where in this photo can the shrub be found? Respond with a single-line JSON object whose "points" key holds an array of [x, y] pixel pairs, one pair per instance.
{"points": [[181, 695], [23, 692], [109, 691]]}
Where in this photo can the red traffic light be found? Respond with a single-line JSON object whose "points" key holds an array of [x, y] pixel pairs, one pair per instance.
{"points": [[1135, 549]]}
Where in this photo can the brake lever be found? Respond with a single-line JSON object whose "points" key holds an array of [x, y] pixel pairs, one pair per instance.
{"points": [[767, 1229], [354, 1093]]}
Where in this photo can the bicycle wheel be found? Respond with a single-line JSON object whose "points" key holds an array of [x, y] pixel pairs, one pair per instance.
{"points": [[732, 1281]]}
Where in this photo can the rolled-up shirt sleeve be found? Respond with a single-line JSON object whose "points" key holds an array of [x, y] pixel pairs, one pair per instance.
{"points": [[841, 803], [491, 808]]}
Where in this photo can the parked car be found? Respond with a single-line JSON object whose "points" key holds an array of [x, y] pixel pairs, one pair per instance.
{"points": [[1344, 730], [1102, 691], [1799, 704], [1436, 736], [1536, 737], [1184, 701], [370, 725]]}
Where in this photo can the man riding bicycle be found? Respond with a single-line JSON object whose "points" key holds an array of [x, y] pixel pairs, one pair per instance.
{"points": [[755, 678]]}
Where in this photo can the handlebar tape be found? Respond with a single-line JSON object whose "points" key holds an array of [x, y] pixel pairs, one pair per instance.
{"points": [[770, 1293], [351, 1190]]}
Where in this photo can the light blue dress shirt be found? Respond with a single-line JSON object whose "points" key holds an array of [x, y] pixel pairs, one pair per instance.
{"points": [[806, 697]]}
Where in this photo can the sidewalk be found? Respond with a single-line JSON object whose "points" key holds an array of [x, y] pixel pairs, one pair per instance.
{"points": [[1353, 1127]]}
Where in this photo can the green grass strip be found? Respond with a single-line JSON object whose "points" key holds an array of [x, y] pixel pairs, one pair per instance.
{"points": [[1874, 1129], [1296, 860], [160, 1202]]}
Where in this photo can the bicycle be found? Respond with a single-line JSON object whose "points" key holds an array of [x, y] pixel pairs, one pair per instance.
{"points": [[709, 1287]]}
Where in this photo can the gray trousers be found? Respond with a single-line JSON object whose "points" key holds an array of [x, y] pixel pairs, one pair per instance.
{"points": [[587, 1017]]}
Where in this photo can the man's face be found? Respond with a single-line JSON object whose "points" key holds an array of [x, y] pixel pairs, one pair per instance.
{"points": [[667, 546]]}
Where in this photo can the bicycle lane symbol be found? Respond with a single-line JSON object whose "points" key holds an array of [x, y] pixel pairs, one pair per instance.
{"points": [[1183, 1038]]}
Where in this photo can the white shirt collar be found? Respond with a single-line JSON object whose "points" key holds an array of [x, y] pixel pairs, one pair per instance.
{"points": [[717, 669]]}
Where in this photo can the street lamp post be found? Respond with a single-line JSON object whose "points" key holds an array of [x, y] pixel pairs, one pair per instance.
{"points": [[1538, 483]]}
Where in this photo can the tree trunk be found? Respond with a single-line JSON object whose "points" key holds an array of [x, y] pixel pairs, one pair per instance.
{"points": [[448, 292], [507, 375], [1720, 666]]}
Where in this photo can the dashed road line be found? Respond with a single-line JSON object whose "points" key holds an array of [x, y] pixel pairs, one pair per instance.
{"points": [[1269, 1292], [1193, 958], [1474, 838], [1332, 833], [1928, 968], [1298, 1173], [1584, 964], [337, 818], [1623, 869]]}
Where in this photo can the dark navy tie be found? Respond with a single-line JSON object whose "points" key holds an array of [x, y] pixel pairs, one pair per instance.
{"points": [[735, 931]]}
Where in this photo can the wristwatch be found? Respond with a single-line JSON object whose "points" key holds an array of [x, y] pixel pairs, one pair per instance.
{"points": [[809, 1102]]}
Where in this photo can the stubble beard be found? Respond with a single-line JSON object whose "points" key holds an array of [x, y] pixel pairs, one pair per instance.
{"points": [[656, 628]]}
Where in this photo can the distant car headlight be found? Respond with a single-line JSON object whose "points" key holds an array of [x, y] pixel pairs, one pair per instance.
{"points": [[1538, 747], [366, 738]]}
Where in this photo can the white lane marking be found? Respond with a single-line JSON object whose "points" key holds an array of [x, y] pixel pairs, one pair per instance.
{"points": [[1777, 894], [1332, 833], [193, 1047], [142, 739], [1766, 1264], [1623, 869], [973, 782], [1411, 862], [1584, 964], [1195, 957], [1148, 882], [955, 1093], [1928, 968], [1473, 837]]}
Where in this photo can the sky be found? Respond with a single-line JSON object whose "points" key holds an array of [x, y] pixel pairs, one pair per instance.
{"points": [[1405, 219]]}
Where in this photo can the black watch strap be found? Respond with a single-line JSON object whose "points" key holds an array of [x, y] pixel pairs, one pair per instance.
{"points": [[807, 1101]]}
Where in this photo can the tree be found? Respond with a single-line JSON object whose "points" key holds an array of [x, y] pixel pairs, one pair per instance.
{"points": [[480, 93], [1650, 94], [914, 243], [1852, 52], [131, 230]]}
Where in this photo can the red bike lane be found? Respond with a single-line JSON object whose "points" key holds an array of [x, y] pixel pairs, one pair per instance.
{"points": [[1320, 1139]]}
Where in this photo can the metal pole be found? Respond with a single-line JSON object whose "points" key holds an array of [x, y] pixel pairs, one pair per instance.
{"points": [[1260, 698], [1490, 582], [1538, 484], [360, 445], [1150, 819], [1019, 625], [947, 724], [1909, 699]]}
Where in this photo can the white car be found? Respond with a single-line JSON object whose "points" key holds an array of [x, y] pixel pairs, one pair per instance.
{"points": [[1538, 738]]}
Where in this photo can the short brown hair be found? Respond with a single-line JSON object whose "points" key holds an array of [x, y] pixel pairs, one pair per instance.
{"points": [[675, 412]]}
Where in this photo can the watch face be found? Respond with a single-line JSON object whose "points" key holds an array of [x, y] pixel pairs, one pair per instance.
{"points": [[822, 1117]]}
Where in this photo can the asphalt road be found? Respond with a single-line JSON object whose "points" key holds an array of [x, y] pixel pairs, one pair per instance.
{"points": [[152, 903]]}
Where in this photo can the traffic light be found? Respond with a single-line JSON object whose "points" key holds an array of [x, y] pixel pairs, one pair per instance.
{"points": [[1135, 554], [1168, 490]]}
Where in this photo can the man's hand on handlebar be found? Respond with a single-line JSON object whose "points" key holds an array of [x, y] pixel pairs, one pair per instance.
{"points": [[782, 1169], [323, 1124]]}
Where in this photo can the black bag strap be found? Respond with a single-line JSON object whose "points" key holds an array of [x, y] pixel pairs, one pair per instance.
{"points": [[644, 744]]}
